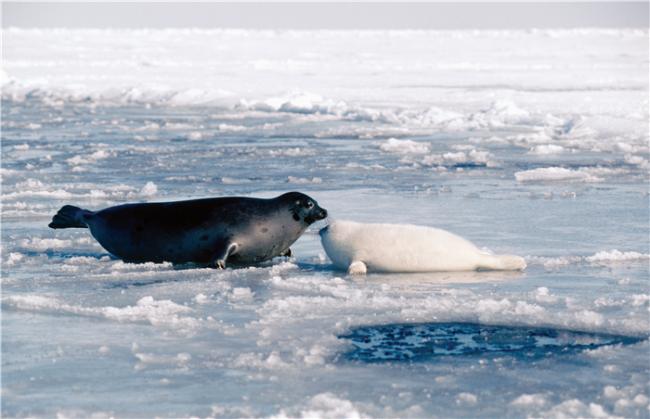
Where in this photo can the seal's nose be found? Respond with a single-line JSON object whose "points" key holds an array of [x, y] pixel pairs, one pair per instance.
{"points": [[323, 213]]}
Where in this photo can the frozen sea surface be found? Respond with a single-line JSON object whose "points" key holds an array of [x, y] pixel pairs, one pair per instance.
{"points": [[526, 142]]}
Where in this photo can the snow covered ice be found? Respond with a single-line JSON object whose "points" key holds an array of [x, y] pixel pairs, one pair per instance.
{"points": [[524, 142]]}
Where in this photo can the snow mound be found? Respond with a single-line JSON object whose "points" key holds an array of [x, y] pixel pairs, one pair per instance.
{"points": [[546, 149], [556, 174], [616, 256], [161, 313], [393, 145]]}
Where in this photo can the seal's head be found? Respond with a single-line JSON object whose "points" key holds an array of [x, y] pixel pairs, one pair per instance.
{"points": [[303, 208]]}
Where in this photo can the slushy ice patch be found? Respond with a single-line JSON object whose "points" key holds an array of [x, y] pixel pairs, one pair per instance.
{"points": [[423, 342]]}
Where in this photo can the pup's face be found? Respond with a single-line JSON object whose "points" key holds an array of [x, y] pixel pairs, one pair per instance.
{"points": [[323, 231]]}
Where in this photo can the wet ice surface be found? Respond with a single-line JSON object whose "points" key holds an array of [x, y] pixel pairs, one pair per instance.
{"points": [[531, 143]]}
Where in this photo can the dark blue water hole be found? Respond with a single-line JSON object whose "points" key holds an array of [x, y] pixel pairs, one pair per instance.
{"points": [[425, 341]]}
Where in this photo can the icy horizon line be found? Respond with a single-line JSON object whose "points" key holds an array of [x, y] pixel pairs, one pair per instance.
{"points": [[199, 29], [321, 15]]}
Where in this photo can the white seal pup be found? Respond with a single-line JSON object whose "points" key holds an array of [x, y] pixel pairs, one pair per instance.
{"points": [[360, 247], [240, 230]]}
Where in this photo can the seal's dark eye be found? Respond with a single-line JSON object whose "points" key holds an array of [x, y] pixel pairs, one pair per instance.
{"points": [[309, 205]]}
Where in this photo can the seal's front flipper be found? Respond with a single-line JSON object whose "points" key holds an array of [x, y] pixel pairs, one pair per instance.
{"points": [[71, 217], [357, 268], [223, 254], [287, 253]]}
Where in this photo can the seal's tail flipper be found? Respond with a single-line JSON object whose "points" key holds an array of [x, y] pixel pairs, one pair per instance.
{"points": [[502, 263], [70, 217]]}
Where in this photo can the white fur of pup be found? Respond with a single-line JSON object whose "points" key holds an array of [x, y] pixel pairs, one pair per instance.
{"points": [[360, 247]]}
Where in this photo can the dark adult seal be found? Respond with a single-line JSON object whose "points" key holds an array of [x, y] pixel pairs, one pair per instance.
{"points": [[238, 230]]}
